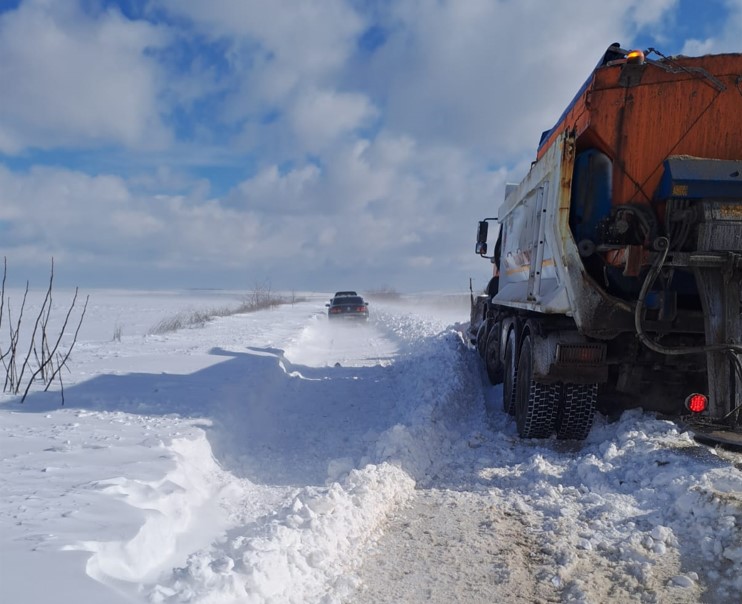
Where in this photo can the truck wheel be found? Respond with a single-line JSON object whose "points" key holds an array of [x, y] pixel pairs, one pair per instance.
{"points": [[492, 360], [510, 377], [577, 411], [536, 404], [482, 338]]}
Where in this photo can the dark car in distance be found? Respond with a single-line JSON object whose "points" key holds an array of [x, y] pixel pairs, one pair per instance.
{"points": [[346, 306]]}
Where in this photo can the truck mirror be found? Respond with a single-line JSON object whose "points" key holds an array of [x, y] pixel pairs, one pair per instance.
{"points": [[481, 248], [482, 233]]}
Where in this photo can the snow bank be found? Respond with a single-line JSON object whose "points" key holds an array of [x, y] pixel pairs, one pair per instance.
{"points": [[305, 552], [299, 555], [617, 514], [172, 507]]}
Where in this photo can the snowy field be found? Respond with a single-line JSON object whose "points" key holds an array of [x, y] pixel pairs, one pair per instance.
{"points": [[278, 457]]}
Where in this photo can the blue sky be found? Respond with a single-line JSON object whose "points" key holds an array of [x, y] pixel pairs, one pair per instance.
{"points": [[326, 144]]}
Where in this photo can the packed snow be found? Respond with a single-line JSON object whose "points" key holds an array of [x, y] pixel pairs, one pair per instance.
{"points": [[280, 457]]}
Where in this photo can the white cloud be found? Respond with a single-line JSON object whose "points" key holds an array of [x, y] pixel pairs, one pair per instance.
{"points": [[695, 47], [391, 201], [727, 38], [284, 57], [320, 117], [492, 75], [136, 224], [73, 80], [376, 203], [308, 38], [54, 208], [275, 193], [648, 14], [277, 47], [374, 162], [487, 75], [420, 262]]}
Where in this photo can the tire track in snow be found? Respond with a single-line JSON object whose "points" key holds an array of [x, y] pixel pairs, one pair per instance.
{"points": [[453, 541], [452, 546], [634, 514]]}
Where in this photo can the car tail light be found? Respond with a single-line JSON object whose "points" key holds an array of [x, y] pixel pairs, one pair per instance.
{"points": [[335, 310], [697, 403], [361, 309]]}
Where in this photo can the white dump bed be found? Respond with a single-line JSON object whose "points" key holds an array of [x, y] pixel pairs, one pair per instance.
{"points": [[532, 275]]}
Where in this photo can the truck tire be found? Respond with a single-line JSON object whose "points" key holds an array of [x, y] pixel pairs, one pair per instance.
{"points": [[577, 410], [482, 338], [536, 404], [495, 368], [510, 377]]}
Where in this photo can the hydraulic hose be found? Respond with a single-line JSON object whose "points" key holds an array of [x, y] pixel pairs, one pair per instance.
{"points": [[649, 280], [734, 350]]}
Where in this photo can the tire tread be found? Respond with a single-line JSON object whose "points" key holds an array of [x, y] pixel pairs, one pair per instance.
{"points": [[577, 411], [538, 413]]}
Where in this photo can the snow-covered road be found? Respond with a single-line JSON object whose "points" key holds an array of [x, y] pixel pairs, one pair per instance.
{"points": [[280, 457]]}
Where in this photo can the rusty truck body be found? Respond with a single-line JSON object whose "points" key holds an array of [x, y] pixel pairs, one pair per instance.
{"points": [[617, 268]]}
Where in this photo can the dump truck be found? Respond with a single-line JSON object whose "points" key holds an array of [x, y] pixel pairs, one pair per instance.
{"points": [[617, 263]]}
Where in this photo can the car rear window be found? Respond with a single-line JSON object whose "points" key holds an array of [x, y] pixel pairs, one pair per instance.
{"points": [[348, 300]]}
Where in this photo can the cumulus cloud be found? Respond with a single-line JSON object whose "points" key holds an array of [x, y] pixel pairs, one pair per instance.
{"points": [[311, 39], [491, 75], [71, 79], [376, 203], [727, 39], [399, 209], [321, 117], [101, 225], [365, 156], [54, 209], [274, 47], [272, 192], [479, 73]]}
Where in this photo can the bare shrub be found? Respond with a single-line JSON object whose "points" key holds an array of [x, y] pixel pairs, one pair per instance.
{"points": [[193, 318], [44, 360], [384, 292], [261, 297]]}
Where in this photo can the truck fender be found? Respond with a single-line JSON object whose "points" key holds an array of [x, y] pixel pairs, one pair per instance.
{"points": [[569, 357]]}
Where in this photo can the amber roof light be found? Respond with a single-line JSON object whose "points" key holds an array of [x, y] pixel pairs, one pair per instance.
{"points": [[636, 57]]}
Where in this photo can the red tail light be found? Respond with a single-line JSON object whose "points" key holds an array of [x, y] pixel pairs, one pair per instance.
{"points": [[361, 309], [697, 403]]}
